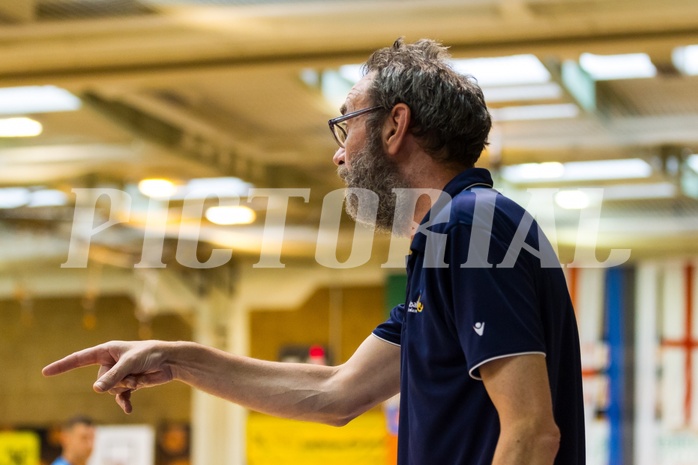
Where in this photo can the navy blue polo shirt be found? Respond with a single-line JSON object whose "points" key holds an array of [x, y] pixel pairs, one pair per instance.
{"points": [[483, 283]]}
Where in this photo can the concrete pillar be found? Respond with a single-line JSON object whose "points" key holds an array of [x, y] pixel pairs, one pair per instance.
{"points": [[645, 428], [209, 431], [236, 416]]}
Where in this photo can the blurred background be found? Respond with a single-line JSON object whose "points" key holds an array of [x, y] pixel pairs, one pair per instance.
{"points": [[131, 133]]}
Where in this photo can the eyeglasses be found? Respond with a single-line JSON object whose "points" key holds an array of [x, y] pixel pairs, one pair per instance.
{"points": [[338, 125]]}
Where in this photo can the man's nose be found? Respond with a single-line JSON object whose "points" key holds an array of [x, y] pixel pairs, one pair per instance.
{"points": [[338, 158]]}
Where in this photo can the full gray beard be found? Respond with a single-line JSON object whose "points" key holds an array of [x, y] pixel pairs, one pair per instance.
{"points": [[371, 169]]}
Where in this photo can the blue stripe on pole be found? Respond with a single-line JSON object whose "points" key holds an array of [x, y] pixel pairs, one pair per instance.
{"points": [[615, 306]]}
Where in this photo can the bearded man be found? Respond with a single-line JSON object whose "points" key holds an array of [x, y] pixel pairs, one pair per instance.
{"points": [[484, 351]]}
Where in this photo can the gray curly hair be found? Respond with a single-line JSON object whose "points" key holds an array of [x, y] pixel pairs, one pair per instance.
{"points": [[449, 115]]}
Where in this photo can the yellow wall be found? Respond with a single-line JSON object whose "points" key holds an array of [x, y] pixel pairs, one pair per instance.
{"points": [[362, 308], [365, 440], [274, 441], [56, 329]]}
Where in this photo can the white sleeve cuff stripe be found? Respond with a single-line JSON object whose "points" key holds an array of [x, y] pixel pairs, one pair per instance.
{"points": [[385, 340], [472, 370]]}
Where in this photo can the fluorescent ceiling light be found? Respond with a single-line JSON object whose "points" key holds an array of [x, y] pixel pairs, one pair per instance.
{"points": [[13, 197], [693, 162], [48, 198], [516, 70], [607, 169], [334, 87], [686, 59], [229, 215], [504, 71], [352, 73], [534, 171], [310, 77], [626, 66], [572, 199], [579, 84], [20, 127], [577, 199], [157, 188], [493, 71], [531, 172], [36, 99], [599, 170], [548, 91], [201, 188], [535, 112], [657, 190]]}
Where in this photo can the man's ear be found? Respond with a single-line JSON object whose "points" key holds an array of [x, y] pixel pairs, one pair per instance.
{"points": [[396, 129]]}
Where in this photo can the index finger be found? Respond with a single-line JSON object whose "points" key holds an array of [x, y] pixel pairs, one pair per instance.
{"points": [[97, 355]]}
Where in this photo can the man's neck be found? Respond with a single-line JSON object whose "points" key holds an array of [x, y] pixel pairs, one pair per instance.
{"points": [[425, 173], [72, 460]]}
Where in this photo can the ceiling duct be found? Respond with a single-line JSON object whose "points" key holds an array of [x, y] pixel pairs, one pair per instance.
{"points": [[165, 3], [62, 10]]}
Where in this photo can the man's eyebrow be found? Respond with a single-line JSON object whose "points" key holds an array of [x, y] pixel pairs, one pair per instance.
{"points": [[343, 108]]}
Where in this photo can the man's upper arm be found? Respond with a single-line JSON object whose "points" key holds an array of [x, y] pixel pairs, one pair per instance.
{"points": [[519, 388]]}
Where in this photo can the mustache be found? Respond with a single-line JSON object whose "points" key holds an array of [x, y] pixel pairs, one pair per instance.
{"points": [[343, 172]]}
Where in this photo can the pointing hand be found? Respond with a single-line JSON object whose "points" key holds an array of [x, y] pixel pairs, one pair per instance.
{"points": [[124, 367]]}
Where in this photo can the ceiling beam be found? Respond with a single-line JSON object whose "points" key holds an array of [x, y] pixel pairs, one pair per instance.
{"points": [[175, 129], [18, 11], [144, 48], [619, 132], [81, 73]]}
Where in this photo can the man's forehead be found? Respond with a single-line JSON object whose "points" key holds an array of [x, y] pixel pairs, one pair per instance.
{"points": [[358, 93], [77, 427]]}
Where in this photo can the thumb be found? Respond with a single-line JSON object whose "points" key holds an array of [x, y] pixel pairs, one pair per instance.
{"points": [[113, 376]]}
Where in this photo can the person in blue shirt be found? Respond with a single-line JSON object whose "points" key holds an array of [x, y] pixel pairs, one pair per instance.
{"points": [[484, 351], [77, 440]]}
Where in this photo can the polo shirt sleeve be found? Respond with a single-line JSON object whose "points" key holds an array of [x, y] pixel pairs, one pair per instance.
{"points": [[390, 331], [495, 309]]}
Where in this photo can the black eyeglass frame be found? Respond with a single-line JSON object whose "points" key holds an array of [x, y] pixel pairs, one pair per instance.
{"points": [[334, 122]]}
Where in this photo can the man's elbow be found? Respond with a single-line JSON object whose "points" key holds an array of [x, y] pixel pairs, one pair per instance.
{"points": [[346, 403], [339, 421], [331, 409], [542, 439], [546, 439], [341, 417], [336, 419], [549, 437]]}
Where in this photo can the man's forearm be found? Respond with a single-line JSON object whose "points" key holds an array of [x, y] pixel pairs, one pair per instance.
{"points": [[332, 395], [290, 390]]}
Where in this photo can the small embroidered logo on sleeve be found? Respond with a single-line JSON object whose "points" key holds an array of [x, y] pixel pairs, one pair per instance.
{"points": [[479, 328]]}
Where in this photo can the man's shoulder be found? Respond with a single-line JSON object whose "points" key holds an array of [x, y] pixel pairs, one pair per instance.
{"points": [[481, 207]]}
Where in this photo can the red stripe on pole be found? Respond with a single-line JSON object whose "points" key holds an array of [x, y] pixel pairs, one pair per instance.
{"points": [[688, 401], [687, 343]]}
